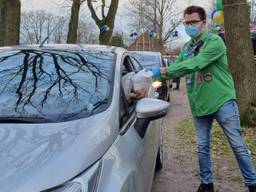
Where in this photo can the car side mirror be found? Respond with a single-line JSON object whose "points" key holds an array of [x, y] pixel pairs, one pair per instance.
{"points": [[149, 109]]}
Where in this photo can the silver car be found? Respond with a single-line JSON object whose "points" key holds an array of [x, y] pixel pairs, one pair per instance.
{"points": [[65, 124]]}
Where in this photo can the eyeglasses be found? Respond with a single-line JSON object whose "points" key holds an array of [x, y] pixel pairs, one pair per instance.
{"points": [[193, 22]]}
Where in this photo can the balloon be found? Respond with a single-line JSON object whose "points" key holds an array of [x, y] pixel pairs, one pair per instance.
{"points": [[218, 28], [216, 25], [134, 34], [105, 28], [152, 34], [215, 9], [175, 34], [219, 5], [218, 17]]}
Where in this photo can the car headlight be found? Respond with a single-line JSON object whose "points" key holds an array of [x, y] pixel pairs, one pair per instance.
{"points": [[86, 182], [156, 84]]}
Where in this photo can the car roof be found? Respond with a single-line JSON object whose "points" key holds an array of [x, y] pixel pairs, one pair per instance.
{"points": [[77, 47]]}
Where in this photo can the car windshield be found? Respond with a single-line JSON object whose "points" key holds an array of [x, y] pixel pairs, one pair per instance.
{"points": [[54, 85], [147, 59]]}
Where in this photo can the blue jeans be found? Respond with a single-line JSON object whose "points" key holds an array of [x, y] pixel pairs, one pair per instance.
{"points": [[229, 119]]}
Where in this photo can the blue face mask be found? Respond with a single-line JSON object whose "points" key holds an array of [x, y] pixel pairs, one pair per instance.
{"points": [[193, 30]]}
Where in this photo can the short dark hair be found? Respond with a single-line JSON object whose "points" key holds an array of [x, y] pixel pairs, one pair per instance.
{"points": [[195, 9]]}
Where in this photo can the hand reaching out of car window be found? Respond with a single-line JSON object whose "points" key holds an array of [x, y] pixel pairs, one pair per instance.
{"points": [[139, 94]]}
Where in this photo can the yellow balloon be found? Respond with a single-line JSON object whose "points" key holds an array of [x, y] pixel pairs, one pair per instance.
{"points": [[218, 17]]}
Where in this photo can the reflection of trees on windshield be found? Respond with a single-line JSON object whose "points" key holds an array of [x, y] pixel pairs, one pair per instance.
{"points": [[54, 78]]}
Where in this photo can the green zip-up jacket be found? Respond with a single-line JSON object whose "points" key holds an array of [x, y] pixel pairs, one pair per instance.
{"points": [[208, 78]]}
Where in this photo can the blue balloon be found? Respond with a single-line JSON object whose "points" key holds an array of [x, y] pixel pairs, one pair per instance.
{"points": [[214, 11], [175, 34], [104, 28], [134, 34]]}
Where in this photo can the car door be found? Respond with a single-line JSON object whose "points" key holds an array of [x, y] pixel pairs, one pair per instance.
{"points": [[149, 144]]}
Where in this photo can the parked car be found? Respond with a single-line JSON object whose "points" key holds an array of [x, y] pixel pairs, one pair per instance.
{"points": [[168, 60], [149, 59], [65, 125]]}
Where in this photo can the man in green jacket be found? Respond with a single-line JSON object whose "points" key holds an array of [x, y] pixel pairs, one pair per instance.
{"points": [[211, 93]]}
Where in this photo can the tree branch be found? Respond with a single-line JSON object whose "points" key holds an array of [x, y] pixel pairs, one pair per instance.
{"points": [[112, 12], [103, 5], [93, 12]]}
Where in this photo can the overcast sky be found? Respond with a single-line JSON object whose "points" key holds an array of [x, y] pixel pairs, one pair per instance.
{"points": [[54, 6]]}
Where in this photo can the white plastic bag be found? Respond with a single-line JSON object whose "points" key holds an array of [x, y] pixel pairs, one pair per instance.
{"points": [[127, 83], [142, 80]]}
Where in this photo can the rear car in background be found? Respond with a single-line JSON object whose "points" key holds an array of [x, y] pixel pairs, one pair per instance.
{"points": [[148, 59], [66, 126], [169, 59]]}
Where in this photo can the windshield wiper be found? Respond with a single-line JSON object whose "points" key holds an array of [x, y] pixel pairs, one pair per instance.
{"points": [[99, 103], [11, 119]]}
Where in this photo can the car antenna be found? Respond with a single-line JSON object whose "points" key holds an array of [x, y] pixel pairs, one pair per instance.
{"points": [[56, 27]]}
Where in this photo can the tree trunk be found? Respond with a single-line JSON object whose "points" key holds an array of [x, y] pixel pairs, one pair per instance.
{"points": [[240, 57], [9, 22], [105, 37], [109, 20], [73, 24]]}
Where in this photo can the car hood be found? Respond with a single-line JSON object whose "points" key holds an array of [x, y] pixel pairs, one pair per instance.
{"points": [[35, 157]]}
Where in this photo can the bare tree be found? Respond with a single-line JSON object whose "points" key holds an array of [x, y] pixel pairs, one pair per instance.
{"points": [[36, 25], [9, 22], [240, 56], [157, 15], [137, 14], [106, 19], [86, 33]]}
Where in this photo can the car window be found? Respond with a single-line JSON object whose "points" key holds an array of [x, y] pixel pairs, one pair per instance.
{"points": [[54, 85], [147, 60], [127, 66], [136, 65]]}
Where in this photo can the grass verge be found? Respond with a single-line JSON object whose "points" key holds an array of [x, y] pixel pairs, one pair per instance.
{"points": [[220, 147]]}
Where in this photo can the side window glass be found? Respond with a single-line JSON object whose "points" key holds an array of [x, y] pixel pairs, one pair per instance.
{"points": [[135, 63], [127, 66]]}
